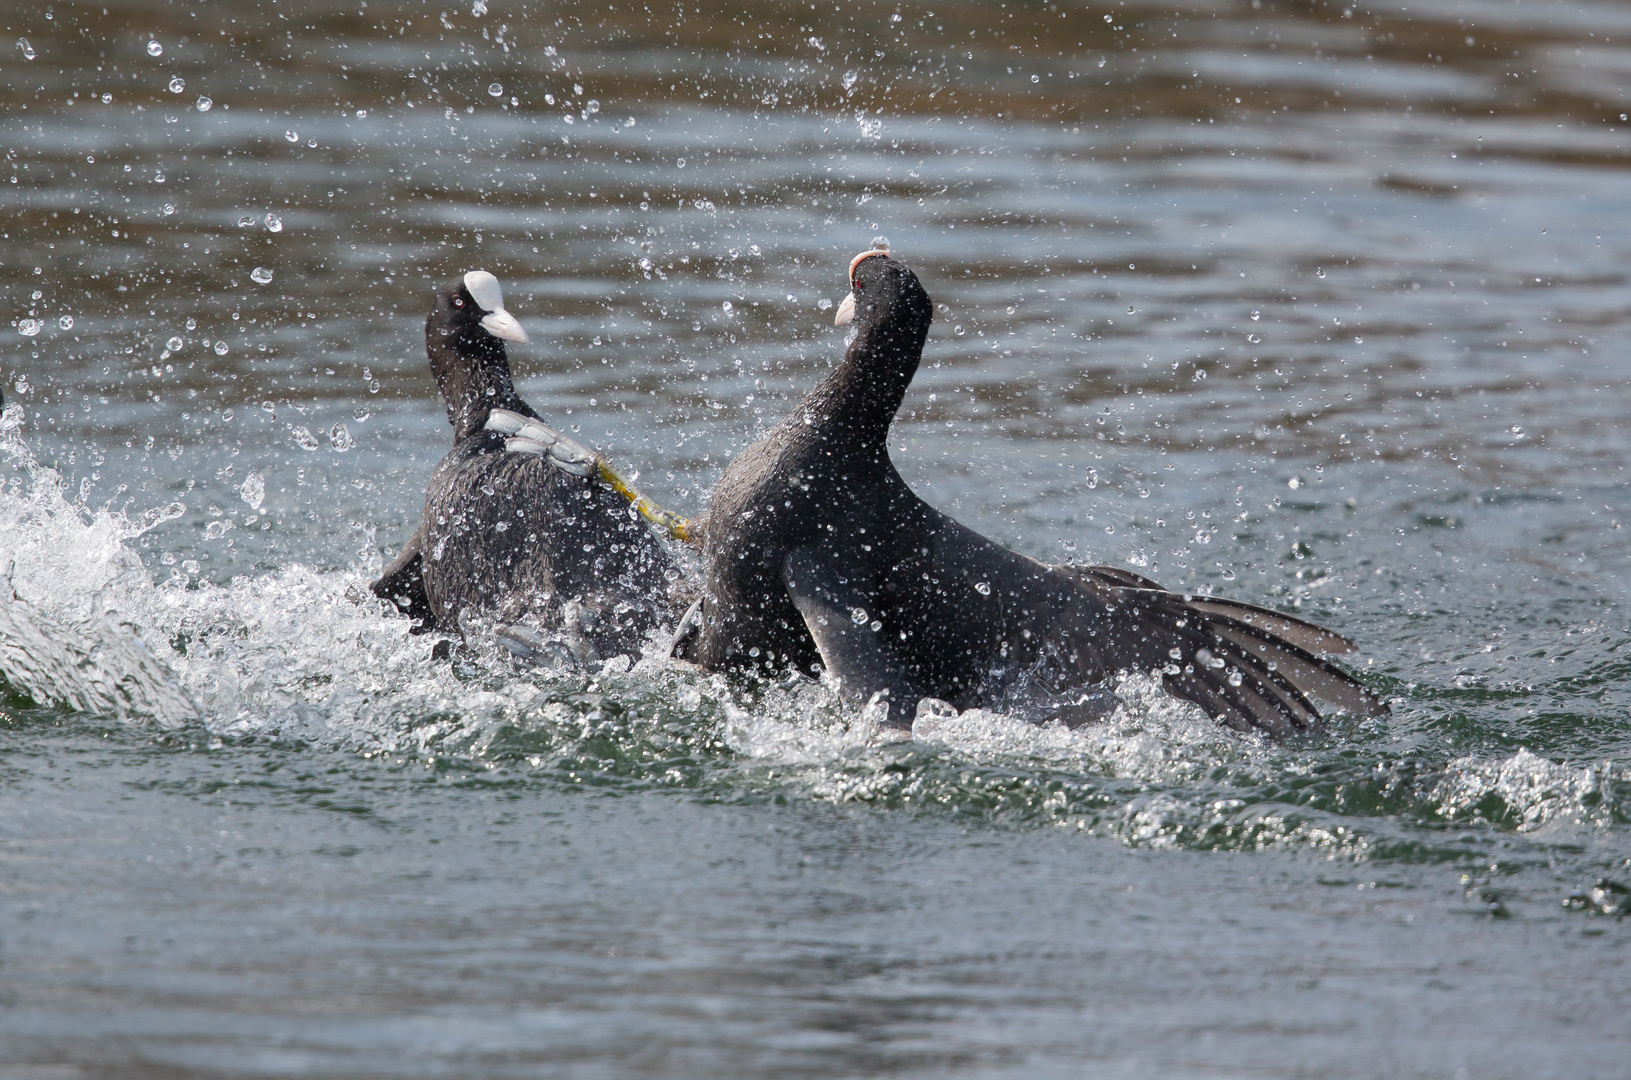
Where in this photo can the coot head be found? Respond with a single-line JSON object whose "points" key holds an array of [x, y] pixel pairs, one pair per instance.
{"points": [[465, 335], [884, 295]]}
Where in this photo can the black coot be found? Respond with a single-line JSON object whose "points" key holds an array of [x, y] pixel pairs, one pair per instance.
{"points": [[521, 529], [816, 549]]}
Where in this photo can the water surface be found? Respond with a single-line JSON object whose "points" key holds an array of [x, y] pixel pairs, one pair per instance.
{"points": [[1319, 307]]}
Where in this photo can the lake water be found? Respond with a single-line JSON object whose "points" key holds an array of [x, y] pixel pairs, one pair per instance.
{"points": [[1319, 307]]}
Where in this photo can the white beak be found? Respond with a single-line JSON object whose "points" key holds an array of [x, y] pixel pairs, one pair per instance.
{"points": [[501, 324], [846, 311]]}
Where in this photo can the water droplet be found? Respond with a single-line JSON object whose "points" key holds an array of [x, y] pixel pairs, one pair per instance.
{"points": [[29, 327], [177, 85], [591, 106], [261, 275], [726, 307], [192, 324], [824, 304], [245, 222], [495, 89], [478, 8], [28, 50], [340, 438], [680, 163], [851, 78], [274, 223], [360, 414], [1036, 78], [1319, 273], [304, 438], [155, 49], [169, 208], [983, 588], [1256, 315], [373, 386], [158, 178], [292, 136], [174, 344], [858, 616], [21, 384], [220, 348], [253, 490], [1235, 677], [107, 99], [205, 104], [880, 243], [875, 625], [549, 99], [895, 17], [66, 322]]}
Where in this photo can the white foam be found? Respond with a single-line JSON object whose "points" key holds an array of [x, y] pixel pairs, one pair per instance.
{"points": [[1534, 791], [91, 630]]}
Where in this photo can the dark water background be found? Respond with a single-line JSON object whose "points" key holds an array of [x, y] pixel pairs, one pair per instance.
{"points": [[1313, 305]]}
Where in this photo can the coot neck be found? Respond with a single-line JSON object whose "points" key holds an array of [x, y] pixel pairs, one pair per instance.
{"points": [[474, 374], [859, 400]]}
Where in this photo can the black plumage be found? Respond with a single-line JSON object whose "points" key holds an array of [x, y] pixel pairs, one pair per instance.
{"points": [[518, 530], [817, 551]]}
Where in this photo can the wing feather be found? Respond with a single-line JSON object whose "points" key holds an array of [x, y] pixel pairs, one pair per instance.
{"points": [[1248, 667]]}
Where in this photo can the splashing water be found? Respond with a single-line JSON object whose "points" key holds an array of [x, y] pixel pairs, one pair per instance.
{"points": [[312, 657], [253, 490]]}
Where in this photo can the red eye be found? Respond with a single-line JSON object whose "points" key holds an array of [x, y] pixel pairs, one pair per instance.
{"points": [[458, 301]]}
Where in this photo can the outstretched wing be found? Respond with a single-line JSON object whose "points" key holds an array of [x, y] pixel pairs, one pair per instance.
{"points": [[850, 647], [1247, 666]]}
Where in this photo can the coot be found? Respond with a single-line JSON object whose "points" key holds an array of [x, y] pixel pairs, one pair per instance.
{"points": [[524, 529], [816, 551]]}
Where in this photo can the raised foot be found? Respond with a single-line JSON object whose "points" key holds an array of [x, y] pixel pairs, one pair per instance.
{"points": [[529, 436]]}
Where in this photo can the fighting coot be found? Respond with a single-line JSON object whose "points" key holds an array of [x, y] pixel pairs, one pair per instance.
{"points": [[523, 528], [816, 550]]}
